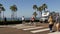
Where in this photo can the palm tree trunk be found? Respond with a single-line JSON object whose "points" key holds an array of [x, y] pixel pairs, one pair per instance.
{"points": [[41, 14], [3, 15], [35, 15], [12, 15], [0, 16], [16, 15], [44, 9]]}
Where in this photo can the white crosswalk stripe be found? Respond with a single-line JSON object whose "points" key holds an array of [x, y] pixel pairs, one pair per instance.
{"points": [[41, 30], [32, 28], [22, 27]]}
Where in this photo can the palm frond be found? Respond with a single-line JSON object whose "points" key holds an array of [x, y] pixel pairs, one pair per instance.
{"points": [[34, 6], [13, 8]]}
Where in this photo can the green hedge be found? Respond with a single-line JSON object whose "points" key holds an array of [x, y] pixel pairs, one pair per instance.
{"points": [[14, 22], [10, 22]]}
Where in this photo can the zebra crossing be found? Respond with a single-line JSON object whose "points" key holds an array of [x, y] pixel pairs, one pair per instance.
{"points": [[38, 30], [35, 29]]}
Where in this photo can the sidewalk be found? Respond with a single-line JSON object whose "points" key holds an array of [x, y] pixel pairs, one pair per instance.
{"points": [[19, 26], [55, 33], [23, 25]]}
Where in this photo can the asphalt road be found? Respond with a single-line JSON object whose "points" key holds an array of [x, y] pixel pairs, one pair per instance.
{"points": [[27, 29]]}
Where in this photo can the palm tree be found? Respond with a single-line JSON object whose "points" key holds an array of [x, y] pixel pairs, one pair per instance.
{"points": [[14, 9], [53, 13], [35, 7], [40, 10], [2, 9], [0, 4], [44, 6], [35, 14]]}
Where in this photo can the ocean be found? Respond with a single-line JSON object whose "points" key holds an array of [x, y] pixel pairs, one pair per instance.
{"points": [[9, 19]]}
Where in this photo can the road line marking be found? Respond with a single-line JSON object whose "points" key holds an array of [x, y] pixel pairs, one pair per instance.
{"points": [[41, 30], [33, 28]]}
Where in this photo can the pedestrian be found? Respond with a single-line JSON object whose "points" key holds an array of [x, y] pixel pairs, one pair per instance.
{"points": [[5, 19], [23, 20], [32, 19], [57, 22], [50, 20]]}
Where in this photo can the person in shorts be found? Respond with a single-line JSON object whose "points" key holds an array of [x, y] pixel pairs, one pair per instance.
{"points": [[23, 19], [57, 22], [50, 20], [32, 19]]}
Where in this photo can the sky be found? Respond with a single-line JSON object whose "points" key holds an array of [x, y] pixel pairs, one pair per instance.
{"points": [[25, 7]]}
